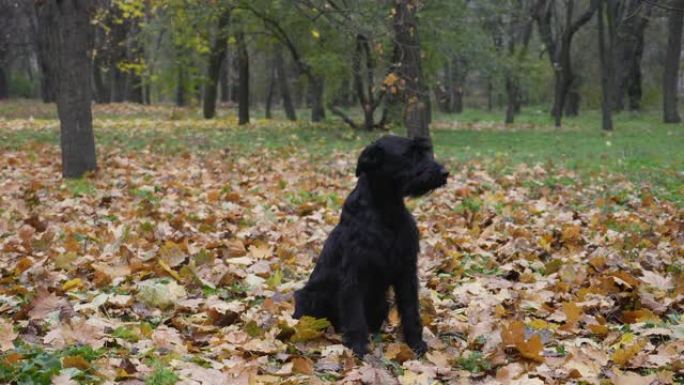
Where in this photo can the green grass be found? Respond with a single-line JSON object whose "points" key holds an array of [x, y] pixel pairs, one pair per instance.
{"points": [[641, 147], [38, 366]]}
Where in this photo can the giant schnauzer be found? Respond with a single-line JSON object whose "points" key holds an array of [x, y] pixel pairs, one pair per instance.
{"points": [[374, 246]]}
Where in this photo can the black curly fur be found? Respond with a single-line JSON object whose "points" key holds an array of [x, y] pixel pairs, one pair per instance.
{"points": [[374, 246]]}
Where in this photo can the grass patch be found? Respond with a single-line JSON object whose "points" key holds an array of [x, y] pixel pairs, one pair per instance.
{"points": [[33, 365], [162, 376], [646, 151]]}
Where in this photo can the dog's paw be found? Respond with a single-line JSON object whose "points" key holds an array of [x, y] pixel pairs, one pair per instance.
{"points": [[419, 347], [359, 348]]}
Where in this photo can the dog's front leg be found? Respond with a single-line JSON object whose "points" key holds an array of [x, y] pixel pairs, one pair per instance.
{"points": [[406, 290], [352, 318]]}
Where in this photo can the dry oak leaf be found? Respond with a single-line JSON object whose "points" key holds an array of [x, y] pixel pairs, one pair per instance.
{"points": [[369, 375], [513, 334], [7, 336], [168, 338], [77, 332], [630, 378], [261, 251], [205, 376], [412, 378], [656, 280], [44, 304], [399, 352], [302, 365], [641, 315], [63, 379], [573, 313]]}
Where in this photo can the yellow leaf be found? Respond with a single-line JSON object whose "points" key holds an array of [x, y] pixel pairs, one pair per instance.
{"points": [[571, 234], [573, 313], [599, 330], [169, 270], [391, 79], [539, 324], [623, 355], [72, 284], [532, 348], [315, 34], [309, 328], [514, 335]]}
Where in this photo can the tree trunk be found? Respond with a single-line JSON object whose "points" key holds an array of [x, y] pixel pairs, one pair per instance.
{"points": [[74, 95], [630, 19], [180, 87], [101, 90], [4, 89], [224, 78], [118, 84], [409, 68], [455, 87], [559, 46], [672, 63], [288, 104], [572, 104], [605, 58], [216, 56], [47, 51], [243, 71], [634, 91], [512, 97], [490, 95], [135, 54], [269, 93], [316, 90], [563, 80], [134, 88]]}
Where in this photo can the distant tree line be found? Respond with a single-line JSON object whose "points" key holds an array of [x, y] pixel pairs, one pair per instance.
{"points": [[370, 63]]}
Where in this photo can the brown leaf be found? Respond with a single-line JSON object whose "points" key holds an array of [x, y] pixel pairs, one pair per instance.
{"points": [[399, 352], [7, 336], [77, 362], [302, 365], [44, 304]]}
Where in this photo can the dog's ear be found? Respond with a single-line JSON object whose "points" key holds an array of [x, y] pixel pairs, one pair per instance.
{"points": [[369, 160]]}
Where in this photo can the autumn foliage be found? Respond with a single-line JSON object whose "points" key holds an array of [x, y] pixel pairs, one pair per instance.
{"points": [[182, 266]]}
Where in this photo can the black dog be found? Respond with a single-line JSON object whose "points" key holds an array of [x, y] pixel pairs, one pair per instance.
{"points": [[374, 246]]}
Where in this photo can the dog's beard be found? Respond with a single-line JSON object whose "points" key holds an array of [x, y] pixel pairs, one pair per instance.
{"points": [[424, 182]]}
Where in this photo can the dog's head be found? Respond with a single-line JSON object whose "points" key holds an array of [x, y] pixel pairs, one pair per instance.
{"points": [[408, 164]]}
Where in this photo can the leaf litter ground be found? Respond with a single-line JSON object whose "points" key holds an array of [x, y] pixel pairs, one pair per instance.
{"points": [[179, 268]]}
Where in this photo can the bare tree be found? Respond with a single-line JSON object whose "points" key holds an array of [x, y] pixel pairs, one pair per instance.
{"points": [[630, 18], [605, 59], [672, 62], [283, 85], [243, 72], [216, 58], [557, 34]]}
